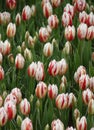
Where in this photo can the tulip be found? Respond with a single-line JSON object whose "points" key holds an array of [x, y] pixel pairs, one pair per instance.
{"points": [[76, 113], [39, 75], [91, 107], [26, 13], [43, 34], [81, 124], [32, 69], [27, 34], [47, 9], [5, 18], [19, 61], [84, 82], [70, 128], [53, 68], [18, 19], [1, 73], [25, 107], [70, 33], [48, 49], [67, 48], [71, 100], [91, 86], [62, 87], [56, 3], [80, 5], [33, 10], [11, 58], [90, 19], [11, 4], [87, 95], [27, 54], [19, 120], [64, 79], [1, 101], [3, 116], [11, 30], [82, 31], [41, 90], [1, 58], [10, 108], [69, 9], [52, 91], [83, 17], [31, 41], [17, 93], [57, 125], [90, 33], [1, 47], [53, 21], [62, 101], [6, 47], [66, 19], [26, 124]]}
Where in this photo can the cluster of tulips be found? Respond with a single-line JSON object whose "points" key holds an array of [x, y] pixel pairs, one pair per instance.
{"points": [[46, 65]]}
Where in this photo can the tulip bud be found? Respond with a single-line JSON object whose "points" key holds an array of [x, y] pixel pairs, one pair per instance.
{"points": [[23, 46], [17, 93], [1, 47], [10, 108], [91, 107], [27, 34], [71, 100], [4, 94], [76, 113], [32, 69], [67, 48], [19, 49], [26, 124], [33, 10], [41, 90], [84, 82], [1, 58], [91, 86], [70, 33], [6, 47], [38, 103], [64, 79], [31, 98], [25, 107], [26, 13], [82, 31], [62, 87], [53, 21], [18, 19], [11, 30], [19, 61], [47, 9], [19, 120], [11, 58], [31, 41], [28, 54], [1, 101], [62, 101], [1, 73], [56, 3], [11, 4], [57, 125], [81, 124], [48, 49], [47, 127], [52, 91], [3, 116]]}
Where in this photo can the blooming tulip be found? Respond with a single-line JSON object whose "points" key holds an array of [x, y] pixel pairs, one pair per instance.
{"points": [[52, 91], [26, 13]]}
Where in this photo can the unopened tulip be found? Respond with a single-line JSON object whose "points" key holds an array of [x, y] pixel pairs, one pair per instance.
{"points": [[18, 19], [1, 73], [47, 9], [62, 101], [91, 107], [1, 47], [33, 10], [62, 87], [87, 95], [48, 49], [57, 125], [83, 17], [84, 82], [17, 93], [64, 79], [39, 75], [80, 5], [71, 100], [19, 61], [43, 34], [27, 34], [52, 91], [53, 21], [67, 48], [41, 90], [32, 69], [91, 86], [6, 47], [69, 9], [70, 33], [11, 4], [11, 58], [31, 41], [66, 19], [56, 3], [1, 101], [90, 33], [26, 124], [53, 68], [3, 116], [28, 54], [81, 124], [76, 113], [26, 13], [1, 58], [25, 107], [82, 31], [11, 30], [10, 108]]}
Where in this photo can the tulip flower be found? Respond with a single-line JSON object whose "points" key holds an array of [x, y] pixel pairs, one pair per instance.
{"points": [[52, 91], [11, 4], [57, 124], [3, 116]]}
